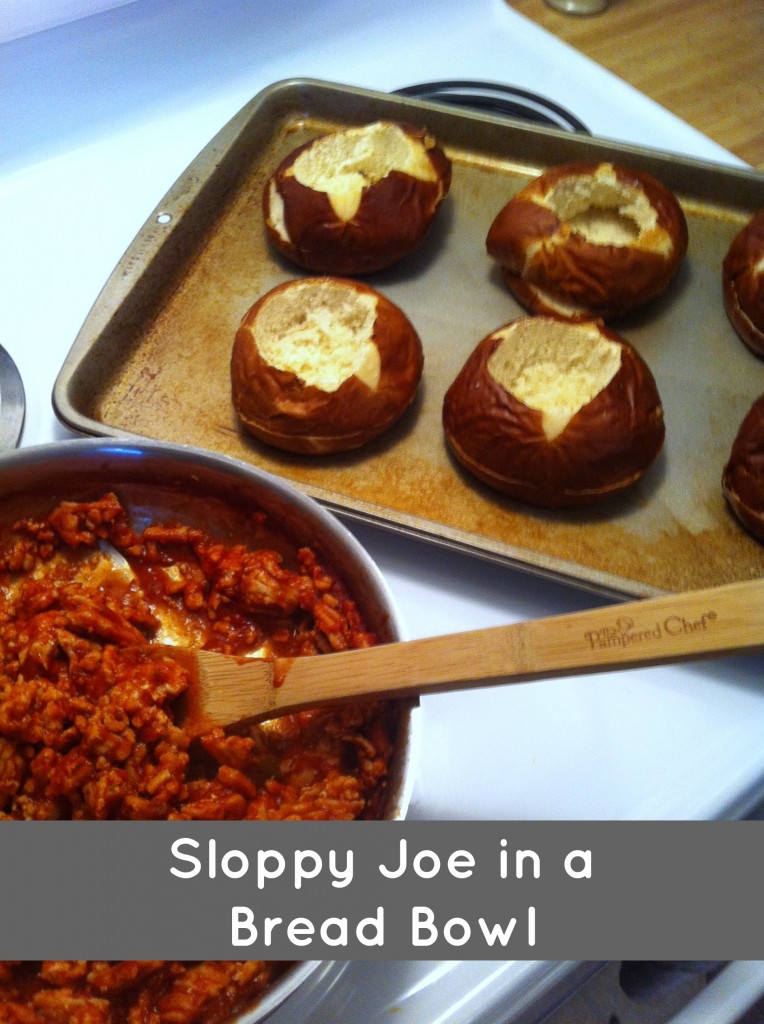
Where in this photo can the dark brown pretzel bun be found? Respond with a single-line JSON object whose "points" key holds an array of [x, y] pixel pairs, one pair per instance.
{"points": [[589, 240], [743, 476], [358, 200], [323, 365], [554, 413], [743, 283]]}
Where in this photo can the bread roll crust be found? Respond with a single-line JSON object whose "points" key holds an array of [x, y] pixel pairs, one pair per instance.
{"points": [[743, 283], [743, 475], [280, 408], [393, 217], [555, 264], [605, 447]]}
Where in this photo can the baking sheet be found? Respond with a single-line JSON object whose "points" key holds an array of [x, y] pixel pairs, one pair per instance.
{"points": [[152, 358]]}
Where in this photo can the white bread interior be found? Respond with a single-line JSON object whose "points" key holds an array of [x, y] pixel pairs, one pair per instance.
{"points": [[604, 210], [556, 372], [322, 331], [276, 212], [344, 163]]}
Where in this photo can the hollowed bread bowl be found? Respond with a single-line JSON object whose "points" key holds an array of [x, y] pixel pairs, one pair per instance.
{"points": [[323, 365], [589, 240], [356, 201], [743, 475], [743, 283], [554, 413]]}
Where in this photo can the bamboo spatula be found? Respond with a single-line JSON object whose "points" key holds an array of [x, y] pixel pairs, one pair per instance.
{"points": [[678, 627]]}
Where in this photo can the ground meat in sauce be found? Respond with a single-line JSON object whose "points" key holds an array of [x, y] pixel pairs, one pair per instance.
{"points": [[130, 991], [87, 728]]}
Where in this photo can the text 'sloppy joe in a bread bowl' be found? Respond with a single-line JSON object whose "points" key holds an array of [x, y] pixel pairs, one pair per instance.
{"points": [[554, 413], [356, 201], [324, 365], [743, 283], [743, 475], [589, 240]]}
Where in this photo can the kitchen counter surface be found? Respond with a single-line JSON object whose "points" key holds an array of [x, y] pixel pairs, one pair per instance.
{"points": [[701, 59]]}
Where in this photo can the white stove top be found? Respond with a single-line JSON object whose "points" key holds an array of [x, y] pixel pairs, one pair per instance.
{"points": [[99, 118]]}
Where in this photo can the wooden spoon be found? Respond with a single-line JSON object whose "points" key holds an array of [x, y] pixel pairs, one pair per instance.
{"points": [[678, 627]]}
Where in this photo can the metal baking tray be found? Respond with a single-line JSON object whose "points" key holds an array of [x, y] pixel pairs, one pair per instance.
{"points": [[152, 358]]}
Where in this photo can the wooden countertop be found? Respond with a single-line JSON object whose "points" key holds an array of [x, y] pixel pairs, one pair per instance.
{"points": [[701, 59]]}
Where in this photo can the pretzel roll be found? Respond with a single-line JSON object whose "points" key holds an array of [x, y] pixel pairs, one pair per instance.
{"points": [[743, 283], [743, 476], [358, 200], [323, 365], [589, 240], [554, 413]]}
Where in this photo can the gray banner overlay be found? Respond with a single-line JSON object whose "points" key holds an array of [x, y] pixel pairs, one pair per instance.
{"points": [[382, 890]]}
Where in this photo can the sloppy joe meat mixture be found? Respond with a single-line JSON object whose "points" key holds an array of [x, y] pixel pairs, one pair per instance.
{"points": [[88, 722], [129, 991]]}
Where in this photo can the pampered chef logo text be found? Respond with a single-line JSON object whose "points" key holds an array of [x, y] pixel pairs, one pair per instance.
{"points": [[623, 632]]}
